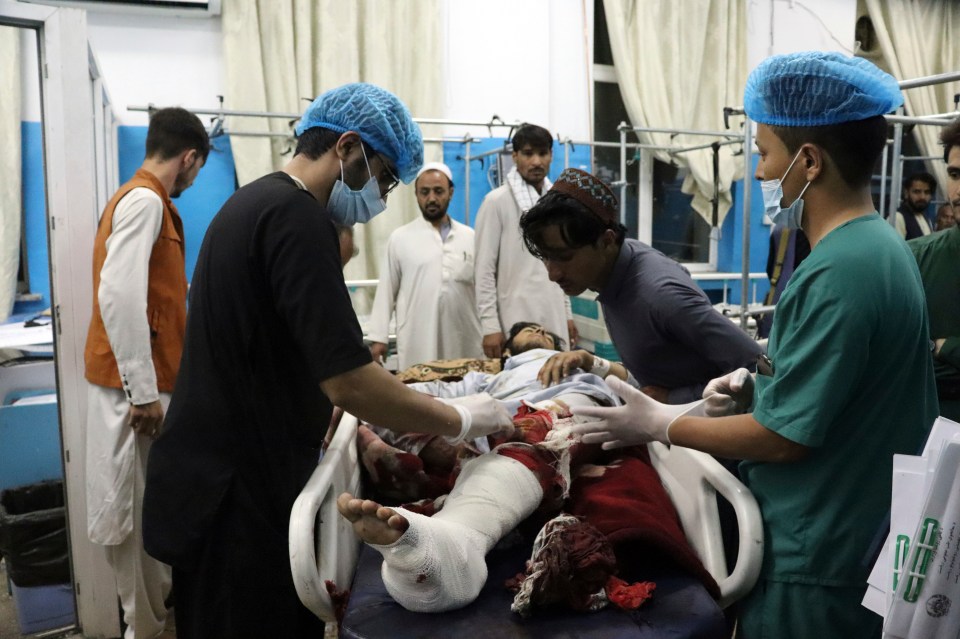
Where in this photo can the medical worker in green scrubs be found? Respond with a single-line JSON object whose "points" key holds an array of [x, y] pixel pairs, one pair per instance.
{"points": [[849, 381]]}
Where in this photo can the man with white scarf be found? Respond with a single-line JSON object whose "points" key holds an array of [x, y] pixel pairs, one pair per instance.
{"points": [[512, 285]]}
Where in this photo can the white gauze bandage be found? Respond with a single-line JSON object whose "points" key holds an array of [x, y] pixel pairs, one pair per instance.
{"points": [[438, 563]]}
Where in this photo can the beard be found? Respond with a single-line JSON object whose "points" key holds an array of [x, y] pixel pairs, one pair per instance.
{"points": [[179, 186], [434, 214]]}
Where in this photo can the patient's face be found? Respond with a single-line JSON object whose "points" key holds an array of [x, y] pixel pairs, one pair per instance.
{"points": [[529, 338]]}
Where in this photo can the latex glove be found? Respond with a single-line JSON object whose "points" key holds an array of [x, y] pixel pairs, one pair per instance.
{"points": [[640, 420], [480, 415], [731, 394]]}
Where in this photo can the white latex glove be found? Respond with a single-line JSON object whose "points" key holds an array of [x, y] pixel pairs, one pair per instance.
{"points": [[480, 415], [640, 420], [731, 394]]}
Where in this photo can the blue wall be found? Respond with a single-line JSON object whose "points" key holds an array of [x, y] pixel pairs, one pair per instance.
{"points": [[197, 205], [34, 217], [217, 181], [479, 184], [730, 249]]}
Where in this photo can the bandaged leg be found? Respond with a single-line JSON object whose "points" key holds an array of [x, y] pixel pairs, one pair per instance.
{"points": [[437, 563]]}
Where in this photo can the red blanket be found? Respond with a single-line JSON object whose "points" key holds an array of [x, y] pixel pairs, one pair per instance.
{"points": [[625, 500]]}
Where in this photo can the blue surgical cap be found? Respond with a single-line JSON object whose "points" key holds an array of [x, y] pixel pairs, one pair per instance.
{"points": [[817, 88], [378, 116]]}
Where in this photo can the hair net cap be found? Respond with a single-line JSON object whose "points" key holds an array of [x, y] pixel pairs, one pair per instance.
{"points": [[818, 88], [378, 116]]}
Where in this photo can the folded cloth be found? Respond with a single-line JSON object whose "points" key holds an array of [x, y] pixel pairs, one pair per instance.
{"points": [[448, 370]]}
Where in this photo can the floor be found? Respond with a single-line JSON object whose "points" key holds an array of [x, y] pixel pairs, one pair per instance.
{"points": [[9, 629]]}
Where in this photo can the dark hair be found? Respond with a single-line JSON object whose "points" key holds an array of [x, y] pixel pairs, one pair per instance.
{"points": [[853, 146], [579, 226], [928, 179], [316, 141], [536, 136], [174, 130], [519, 326], [950, 137]]}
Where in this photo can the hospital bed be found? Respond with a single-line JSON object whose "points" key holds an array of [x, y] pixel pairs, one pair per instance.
{"points": [[323, 547]]}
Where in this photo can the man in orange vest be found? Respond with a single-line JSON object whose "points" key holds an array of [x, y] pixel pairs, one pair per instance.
{"points": [[133, 352]]}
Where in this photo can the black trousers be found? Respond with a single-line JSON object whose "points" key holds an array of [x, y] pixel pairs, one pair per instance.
{"points": [[240, 584]]}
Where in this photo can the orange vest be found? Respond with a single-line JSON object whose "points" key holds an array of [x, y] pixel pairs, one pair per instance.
{"points": [[166, 294]]}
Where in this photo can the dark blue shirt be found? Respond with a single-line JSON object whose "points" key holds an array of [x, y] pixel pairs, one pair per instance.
{"points": [[664, 327]]}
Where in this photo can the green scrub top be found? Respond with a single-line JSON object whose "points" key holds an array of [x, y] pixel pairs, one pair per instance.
{"points": [[853, 380], [938, 256]]}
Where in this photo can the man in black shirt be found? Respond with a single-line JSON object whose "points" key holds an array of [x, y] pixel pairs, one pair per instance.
{"points": [[272, 344]]}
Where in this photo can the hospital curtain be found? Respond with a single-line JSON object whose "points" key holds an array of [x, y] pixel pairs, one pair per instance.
{"points": [[919, 38], [280, 54], [11, 210], [678, 64]]}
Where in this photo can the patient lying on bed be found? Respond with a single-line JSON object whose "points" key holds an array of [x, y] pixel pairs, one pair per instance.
{"points": [[615, 507], [407, 467]]}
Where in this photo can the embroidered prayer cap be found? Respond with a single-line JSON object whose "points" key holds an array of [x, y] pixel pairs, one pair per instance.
{"points": [[436, 166], [590, 191], [378, 116], [818, 88]]}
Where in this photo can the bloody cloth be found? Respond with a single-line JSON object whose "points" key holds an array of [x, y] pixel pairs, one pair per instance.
{"points": [[626, 502]]}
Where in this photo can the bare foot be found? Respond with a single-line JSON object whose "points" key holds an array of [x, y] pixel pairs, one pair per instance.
{"points": [[373, 523]]}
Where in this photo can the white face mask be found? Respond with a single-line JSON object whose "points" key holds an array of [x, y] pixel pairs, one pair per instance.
{"points": [[772, 190], [349, 207]]}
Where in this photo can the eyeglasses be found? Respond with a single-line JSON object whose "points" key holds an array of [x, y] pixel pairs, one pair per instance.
{"points": [[394, 180]]}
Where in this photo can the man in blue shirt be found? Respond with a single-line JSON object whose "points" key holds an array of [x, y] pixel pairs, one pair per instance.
{"points": [[670, 337]]}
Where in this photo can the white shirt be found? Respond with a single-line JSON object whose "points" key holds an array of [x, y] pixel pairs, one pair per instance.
{"points": [[921, 221], [123, 290], [115, 455], [429, 282], [513, 285]]}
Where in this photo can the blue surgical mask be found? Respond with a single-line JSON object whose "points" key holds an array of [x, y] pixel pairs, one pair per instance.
{"points": [[350, 207], [772, 190]]}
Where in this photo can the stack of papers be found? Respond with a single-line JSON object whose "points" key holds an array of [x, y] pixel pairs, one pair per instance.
{"points": [[915, 584]]}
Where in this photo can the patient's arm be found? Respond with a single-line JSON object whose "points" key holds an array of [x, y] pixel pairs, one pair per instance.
{"points": [[562, 364]]}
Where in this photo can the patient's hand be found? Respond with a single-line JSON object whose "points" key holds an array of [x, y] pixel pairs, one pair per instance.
{"points": [[561, 365], [395, 473]]}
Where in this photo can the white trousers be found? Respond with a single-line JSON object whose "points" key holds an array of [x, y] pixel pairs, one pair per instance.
{"points": [[116, 469]]}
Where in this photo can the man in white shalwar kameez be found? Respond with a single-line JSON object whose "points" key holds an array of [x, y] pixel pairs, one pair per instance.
{"points": [[512, 285], [132, 355], [427, 278]]}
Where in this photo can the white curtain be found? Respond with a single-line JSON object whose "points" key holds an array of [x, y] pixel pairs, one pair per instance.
{"points": [[678, 65], [282, 53], [11, 205], [919, 38]]}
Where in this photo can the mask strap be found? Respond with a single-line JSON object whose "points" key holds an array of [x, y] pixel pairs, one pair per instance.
{"points": [[341, 171], [804, 190], [365, 161], [787, 172]]}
